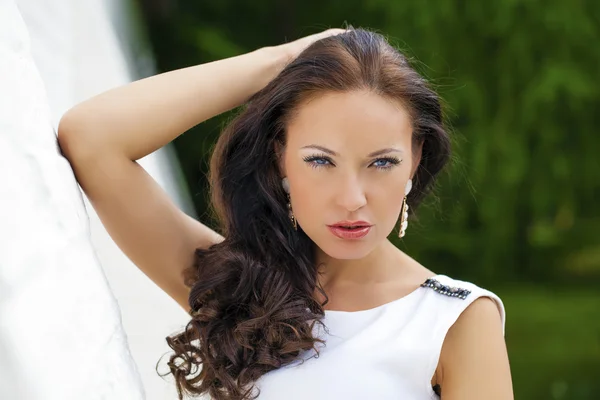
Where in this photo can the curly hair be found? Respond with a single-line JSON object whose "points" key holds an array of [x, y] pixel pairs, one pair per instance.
{"points": [[252, 295]]}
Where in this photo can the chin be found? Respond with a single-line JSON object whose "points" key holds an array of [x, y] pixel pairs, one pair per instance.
{"points": [[346, 250]]}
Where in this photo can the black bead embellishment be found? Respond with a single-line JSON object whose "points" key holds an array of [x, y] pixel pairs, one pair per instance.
{"points": [[447, 290]]}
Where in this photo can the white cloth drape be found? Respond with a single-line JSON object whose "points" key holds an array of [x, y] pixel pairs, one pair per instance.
{"points": [[60, 331], [77, 319]]}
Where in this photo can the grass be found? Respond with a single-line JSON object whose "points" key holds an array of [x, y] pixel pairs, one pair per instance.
{"points": [[553, 339]]}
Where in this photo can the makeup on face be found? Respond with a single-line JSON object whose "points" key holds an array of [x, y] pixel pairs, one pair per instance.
{"points": [[351, 230], [346, 158], [323, 159]]}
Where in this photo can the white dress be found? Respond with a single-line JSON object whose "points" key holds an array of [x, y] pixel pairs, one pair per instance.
{"points": [[384, 353]]}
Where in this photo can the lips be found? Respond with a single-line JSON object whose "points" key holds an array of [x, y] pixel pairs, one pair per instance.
{"points": [[351, 224], [350, 229]]}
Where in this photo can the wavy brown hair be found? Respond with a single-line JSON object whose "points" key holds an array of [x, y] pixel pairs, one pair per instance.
{"points": [[252, 295]]}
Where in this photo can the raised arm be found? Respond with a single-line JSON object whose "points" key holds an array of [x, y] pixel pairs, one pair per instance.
{"points": [[141, 117], [104, 136]]}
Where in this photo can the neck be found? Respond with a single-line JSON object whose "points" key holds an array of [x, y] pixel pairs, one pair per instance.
{"points": [[376, 267]]}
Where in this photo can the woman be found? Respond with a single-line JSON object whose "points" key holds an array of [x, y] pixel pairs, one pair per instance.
{"points": [[303, 296]]}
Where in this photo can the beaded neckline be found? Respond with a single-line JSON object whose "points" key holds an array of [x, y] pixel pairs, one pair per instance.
{"points": [[445, 289]]}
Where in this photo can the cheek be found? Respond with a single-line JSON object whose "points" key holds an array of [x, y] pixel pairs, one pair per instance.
{"points": [[305, 185], [385, 205], [309, 194], [388, 191]]}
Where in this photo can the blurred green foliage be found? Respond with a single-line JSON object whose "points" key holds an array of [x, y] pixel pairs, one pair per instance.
{"points": [[521, 79]]}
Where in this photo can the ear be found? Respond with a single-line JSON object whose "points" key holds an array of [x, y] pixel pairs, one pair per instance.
{"points": [[417, 153]]}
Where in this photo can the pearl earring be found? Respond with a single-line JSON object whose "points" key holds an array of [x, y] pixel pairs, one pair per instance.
{"points": [[404, 210], [286, 187]]}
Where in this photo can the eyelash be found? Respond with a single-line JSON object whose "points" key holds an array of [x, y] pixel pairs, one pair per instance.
{"points": [[310, 160]]}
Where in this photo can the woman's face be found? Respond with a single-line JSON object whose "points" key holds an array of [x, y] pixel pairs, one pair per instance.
{"points": [[348, 157]]}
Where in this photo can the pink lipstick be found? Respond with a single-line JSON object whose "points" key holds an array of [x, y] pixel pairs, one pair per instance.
{"points": [[350, 229]]}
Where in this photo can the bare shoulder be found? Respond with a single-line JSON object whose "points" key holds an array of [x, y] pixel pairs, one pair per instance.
{"points": [[474, 361]]}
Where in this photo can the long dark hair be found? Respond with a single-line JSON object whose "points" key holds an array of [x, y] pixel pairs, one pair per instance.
{"points": [[252, 295]]}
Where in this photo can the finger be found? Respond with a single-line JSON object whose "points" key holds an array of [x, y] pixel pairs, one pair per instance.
{"points": [[333, 32]]}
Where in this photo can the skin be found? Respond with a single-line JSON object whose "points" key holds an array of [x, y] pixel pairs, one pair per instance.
{"points": [[365, 273]]}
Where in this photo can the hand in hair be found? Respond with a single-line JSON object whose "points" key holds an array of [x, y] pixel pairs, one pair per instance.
{"points": [[293, 49]]}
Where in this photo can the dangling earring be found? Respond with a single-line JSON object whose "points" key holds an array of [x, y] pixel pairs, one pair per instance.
{"points": [[286, 187], [404, 210]]}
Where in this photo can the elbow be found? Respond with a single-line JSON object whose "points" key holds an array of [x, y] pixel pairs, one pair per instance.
{"points": [[65, 134], [72, 134], [64, 125]]}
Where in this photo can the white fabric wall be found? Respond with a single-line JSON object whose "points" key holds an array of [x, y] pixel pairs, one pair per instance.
{"points": [[60, 273], [60, 330]]}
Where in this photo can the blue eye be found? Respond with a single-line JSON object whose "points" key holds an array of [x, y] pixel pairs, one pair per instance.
{"points": [[381, 166], [391, 161], [318, 161]]}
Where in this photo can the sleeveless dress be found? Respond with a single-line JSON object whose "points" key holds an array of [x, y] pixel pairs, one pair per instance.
{"points": [[384, 353]]}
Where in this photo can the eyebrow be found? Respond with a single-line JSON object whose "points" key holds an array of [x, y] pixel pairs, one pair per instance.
{"points": [[333, 153]]}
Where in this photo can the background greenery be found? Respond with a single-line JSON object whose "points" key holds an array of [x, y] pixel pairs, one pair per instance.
{"points": [[516, 211]]}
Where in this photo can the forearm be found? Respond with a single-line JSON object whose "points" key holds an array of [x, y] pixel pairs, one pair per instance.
{"points": [[140, 117]]}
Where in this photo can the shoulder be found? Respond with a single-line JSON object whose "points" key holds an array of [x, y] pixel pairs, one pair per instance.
{"points": [[474, 361], [479, 318], [466, 298]]}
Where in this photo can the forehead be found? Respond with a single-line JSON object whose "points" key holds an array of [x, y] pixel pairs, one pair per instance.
{"points": [[358, 118]]}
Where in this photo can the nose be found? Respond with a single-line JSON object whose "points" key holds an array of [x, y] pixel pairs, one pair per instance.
{"points": [[351, 193]]}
